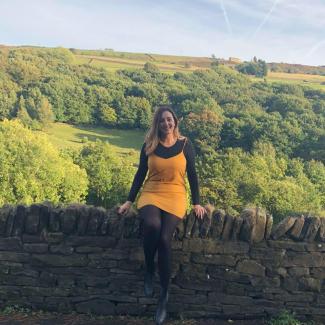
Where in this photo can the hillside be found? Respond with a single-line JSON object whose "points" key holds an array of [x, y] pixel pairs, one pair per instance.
{"points": [[257, 142]]}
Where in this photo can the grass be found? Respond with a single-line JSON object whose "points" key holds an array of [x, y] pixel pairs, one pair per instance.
{"points": [[124, 142], [113, 64], [112, 61], [313, 81]]}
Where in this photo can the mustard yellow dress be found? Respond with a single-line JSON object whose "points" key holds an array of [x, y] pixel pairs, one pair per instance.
{"points": [[165, 184]]}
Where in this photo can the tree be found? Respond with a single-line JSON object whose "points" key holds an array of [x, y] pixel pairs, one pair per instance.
{"points": [[32, 169], [203, 129], [150, 68], [107, 115], [109, 176], [45, 114], [134, 112], [22, 113]]}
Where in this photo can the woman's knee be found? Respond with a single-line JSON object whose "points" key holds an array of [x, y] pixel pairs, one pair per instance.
{"points": [[165, 240], [151, 219], [150, 225]]}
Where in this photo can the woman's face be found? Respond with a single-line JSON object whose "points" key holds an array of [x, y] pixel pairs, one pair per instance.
{"points": [[166, 123]]}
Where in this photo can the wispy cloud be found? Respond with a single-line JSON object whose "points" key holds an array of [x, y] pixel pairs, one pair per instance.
{"points": [[225, 15], [315, 48], [266, 18]]}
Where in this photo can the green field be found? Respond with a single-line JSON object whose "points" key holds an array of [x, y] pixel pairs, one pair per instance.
{"points": [[112, 61], [113, 64], [314, 81], [126, 143]]}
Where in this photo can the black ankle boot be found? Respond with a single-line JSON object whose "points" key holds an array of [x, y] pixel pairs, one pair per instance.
{"points": [[161, 313], [148, 284]]}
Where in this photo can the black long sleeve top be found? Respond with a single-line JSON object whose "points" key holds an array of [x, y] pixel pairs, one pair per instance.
{"points": [[168, 152]]}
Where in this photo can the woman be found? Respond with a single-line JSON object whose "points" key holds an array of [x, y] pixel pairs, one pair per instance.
{"points": [[162, 204]]}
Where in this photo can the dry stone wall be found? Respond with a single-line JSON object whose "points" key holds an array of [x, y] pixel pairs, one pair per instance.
{"points": [[90, 260]]}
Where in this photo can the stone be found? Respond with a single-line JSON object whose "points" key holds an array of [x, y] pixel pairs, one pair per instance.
{"points": [[194, 245], [312, 230], [96, 306], [18, 227], [250, 267], [238, 221], [189, 224], [54, 237], [258, 232], [45, 211], [290, 284], [287, 245], [264, 282], [227, 227], [217, 223], [10, 244], [54, 220], [32, 220], [14, 257], [225, 260], [131, 226], [321, 233], [214, 297], [282, 227], [36, 248], [10, 221], [298, 271], [104, 226], [180, 230], [268, 226], [310, 284], [95, 220], [304, 260], [61, 249], [47, 279], [5, 211], [130, 309], [88, 249], [96, 241], [206, 222], [305, 227], [115, 224], [58, 260], [68, 220], [82, 222], [254, 223], [295, 231]]}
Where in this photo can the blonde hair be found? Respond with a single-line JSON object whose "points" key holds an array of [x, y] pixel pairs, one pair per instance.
{"points": [[153, 136]]}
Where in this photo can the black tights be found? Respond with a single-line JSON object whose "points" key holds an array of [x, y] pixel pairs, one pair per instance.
{"points": [[158, 230]]}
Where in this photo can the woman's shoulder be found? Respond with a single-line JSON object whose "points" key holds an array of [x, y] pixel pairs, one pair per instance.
{"points": [[182, 139], [185, 140]]}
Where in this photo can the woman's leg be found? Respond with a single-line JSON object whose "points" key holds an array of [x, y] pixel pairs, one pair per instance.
{"points": [[151, 216], [168, 226]]}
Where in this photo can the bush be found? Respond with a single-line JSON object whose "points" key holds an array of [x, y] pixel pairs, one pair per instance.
{"points": [[33, 170]]}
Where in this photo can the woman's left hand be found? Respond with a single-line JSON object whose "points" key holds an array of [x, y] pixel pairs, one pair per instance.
{"points": [[199, 211]]}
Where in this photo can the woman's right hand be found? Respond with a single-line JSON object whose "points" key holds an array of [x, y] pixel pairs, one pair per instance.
{"points": [[124, 208]]}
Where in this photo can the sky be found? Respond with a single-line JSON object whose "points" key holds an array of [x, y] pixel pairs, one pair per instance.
{"points": [[291, 31]]}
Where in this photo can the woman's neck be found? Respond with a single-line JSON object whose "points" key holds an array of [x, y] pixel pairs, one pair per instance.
{"points": [[168, 140]]}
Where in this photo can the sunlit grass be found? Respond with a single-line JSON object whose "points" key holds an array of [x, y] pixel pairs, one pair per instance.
{"points": [[123, 142], [115, 63], [313, 81]]}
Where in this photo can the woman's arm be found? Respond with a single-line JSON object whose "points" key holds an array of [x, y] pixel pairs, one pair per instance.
{"points": [[137, 182], [193, 179], [191, 172], [139, 176]]}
